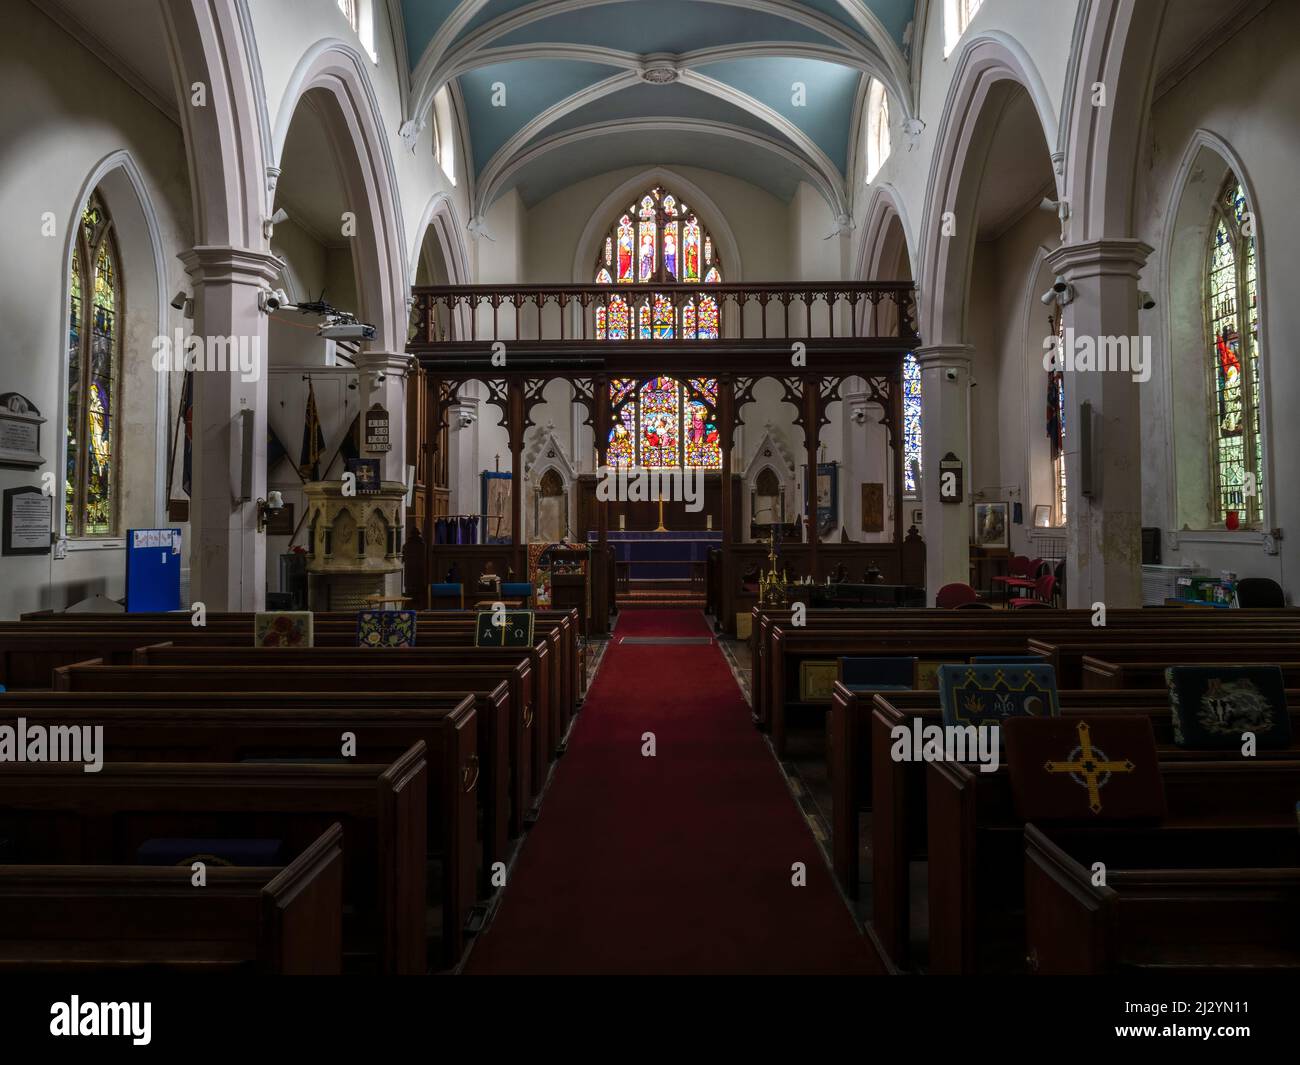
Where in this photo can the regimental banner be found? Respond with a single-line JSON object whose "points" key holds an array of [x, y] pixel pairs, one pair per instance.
{"points": [[504, 628]]}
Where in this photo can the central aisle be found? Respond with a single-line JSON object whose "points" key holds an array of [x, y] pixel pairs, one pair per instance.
{"points": [[679, 863]]}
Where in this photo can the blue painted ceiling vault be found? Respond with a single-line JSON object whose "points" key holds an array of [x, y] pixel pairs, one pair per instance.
{"points": [[554, 91]]}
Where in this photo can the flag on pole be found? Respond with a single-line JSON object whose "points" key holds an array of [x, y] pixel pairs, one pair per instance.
{"points": [[313, 440]]}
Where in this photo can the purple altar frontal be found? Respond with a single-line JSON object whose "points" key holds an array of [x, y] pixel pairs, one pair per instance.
{"points": [[663, 556]]}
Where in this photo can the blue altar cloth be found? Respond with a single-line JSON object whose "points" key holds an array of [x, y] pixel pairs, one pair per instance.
{"points": [[664, 556]]}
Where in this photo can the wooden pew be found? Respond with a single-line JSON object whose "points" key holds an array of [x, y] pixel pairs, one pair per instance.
{"points": [[59, 814], [898, 790], [1039, 624], [84, 918], [509, 789], [976, 869], [1159, 911], [172, 728], [27, 658], [1066, 652], [1102, 673]]}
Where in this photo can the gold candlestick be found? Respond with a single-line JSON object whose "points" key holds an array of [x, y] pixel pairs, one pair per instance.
{"points": [[662, 527]]}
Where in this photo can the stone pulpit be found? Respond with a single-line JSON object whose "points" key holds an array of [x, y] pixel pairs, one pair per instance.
{"points": [[354, 544]]}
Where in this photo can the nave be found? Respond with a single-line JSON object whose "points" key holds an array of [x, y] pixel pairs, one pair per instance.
{"points": [[680, 862]]}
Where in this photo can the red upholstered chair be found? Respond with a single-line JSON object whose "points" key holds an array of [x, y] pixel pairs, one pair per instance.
{"points": [[1044, 594], [1017, 569], [952, 596]]}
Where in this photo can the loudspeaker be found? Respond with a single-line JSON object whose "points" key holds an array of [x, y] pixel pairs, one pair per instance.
{"points": [[1150, 547], [1087, 460], [245, 429]]}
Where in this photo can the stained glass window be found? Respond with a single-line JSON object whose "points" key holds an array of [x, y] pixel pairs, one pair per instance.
{"points": [[1056, 425], [911, 422], [94, 349], [1232, 317], [662, 422], [659, 240]]}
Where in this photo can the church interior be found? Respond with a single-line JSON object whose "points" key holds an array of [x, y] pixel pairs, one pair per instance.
{"points": [[669, 487]]}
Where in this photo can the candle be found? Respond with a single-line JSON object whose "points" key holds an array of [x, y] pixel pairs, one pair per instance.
{"points": [[622, 522], [710, 525]]}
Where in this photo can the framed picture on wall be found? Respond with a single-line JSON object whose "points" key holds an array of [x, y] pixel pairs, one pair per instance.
{"points": [[917, 515], [991, 528], [1042, 516]]}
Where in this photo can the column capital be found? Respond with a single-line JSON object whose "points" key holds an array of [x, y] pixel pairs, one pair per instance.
{"points": [[944, 356], [1117, 257], [396, 362], [214, 262]]}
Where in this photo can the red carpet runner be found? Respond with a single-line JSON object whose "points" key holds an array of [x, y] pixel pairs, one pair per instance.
{"points": [[676, 864]]}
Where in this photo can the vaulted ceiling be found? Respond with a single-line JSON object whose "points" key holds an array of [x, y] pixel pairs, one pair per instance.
{"points": [[554, 91]]}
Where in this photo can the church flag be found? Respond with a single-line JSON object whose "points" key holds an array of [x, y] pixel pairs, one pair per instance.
{"points": [[313, 440], [275, 450], [350, 447], [1054, 426]]}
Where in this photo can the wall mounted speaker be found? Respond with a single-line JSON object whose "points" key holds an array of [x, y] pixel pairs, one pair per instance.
{"points": [[1088, 485], [245, 430]]}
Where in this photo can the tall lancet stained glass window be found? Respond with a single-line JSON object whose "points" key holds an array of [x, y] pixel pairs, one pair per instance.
{"points": [[1232, 326], [656, 240], [911, 423], [94, 354]]}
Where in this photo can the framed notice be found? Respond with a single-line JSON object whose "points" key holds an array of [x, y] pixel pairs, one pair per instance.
{"points": [[28, 515]]}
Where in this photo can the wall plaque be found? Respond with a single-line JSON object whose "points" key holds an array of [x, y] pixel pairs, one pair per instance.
{"points": [[376, 438], [28, 514], [873, 507], [20, 432]]}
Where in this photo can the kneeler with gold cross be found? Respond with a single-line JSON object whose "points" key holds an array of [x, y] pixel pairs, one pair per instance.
{"points": [[1068, 768]]}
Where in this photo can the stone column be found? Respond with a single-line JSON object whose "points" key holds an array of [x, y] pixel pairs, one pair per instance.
{"points": [[227, 553], [1105, 528], [382, 377], [945, 418]]}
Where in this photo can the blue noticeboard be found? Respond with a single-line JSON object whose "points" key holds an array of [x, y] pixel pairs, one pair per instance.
{"points": [[153, 570]]}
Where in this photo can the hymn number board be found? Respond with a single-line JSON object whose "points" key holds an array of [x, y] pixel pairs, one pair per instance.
{"points": [[504, 628], [376, 436]]}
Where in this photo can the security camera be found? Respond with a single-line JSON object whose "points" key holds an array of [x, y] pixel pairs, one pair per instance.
{"points": [[1145, 300], [1060, 285], [950, 374], [277, 300], [859, 416], [268, 226], [347, 331], [178, 300], [465, 419]]}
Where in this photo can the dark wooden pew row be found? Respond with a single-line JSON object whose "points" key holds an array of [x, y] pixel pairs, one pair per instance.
{"points": [[1230, 810], [1037, 624], [86, 918], [1103, 673], [790, 646], [58, 814], [83, 636], [1159, 912], [520, 779], [1066, 652], [30, 656], [176, 728], [898, 790]]}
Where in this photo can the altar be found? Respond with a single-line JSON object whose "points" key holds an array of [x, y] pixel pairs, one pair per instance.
{"points": [[660, 556]]}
